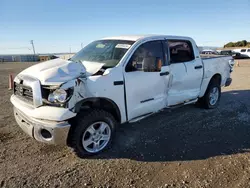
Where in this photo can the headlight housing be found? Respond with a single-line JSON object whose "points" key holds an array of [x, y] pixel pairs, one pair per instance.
{"points": [[59, 95]]}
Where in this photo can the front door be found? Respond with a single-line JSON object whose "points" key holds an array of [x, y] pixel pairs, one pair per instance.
{"points": [[146, 88]]}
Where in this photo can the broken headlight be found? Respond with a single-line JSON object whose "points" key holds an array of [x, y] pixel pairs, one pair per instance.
{"points": [[54, 96], [59, 95]]}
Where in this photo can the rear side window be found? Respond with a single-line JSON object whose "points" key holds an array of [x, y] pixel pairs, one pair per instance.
{"points": [[180, 51], [248, 50], [243, 50]]}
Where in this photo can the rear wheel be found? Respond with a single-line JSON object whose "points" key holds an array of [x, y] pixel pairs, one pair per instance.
{"points": [[92, 133], [212, 96]]}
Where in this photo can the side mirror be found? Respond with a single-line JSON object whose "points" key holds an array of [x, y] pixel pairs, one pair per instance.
{"points": [[151, 64]]}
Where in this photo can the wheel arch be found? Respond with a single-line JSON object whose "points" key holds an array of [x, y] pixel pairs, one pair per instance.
{"points": [[216, 77], [99, 103]]}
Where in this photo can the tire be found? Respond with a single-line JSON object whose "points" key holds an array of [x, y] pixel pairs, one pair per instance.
{"points": [[87, 130], [206, 100]]}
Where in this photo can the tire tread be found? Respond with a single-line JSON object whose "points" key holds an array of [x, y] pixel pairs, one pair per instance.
{"points": [[82, 122], [204, 101]]}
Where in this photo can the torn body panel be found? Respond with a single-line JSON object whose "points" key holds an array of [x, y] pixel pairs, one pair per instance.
{"points": [[59, 71], [97, 86], [80, 91]]}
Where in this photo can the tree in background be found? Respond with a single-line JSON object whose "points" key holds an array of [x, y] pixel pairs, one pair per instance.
{"points": [[230, 44], [242, 43]]}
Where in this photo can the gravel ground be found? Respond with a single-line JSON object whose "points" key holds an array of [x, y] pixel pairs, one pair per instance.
{"points": [[184, 147]]}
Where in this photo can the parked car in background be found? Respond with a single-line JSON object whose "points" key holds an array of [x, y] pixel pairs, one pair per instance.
{"points": [[244, 52], [235, 55], [207, 52]]}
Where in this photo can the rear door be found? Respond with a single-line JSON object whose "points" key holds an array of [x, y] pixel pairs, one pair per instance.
{"points": [[146, 92], [186, 71]]}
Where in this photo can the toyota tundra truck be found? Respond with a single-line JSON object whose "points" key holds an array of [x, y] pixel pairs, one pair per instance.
{"points": [[81, 101]]}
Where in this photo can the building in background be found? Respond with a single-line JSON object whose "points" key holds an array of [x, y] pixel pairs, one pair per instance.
{"points": [[28, 58], [46, 57], [65, 56], [19, 58], [6, 58], [34, 58]]}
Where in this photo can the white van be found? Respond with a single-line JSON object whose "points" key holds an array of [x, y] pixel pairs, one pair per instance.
{"points": [[244, 52]]}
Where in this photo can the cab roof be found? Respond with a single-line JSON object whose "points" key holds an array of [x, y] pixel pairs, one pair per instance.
{"points": [[142, 37]]}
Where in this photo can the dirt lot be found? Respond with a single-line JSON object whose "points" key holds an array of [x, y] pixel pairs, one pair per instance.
{"points": [[185, 147]]}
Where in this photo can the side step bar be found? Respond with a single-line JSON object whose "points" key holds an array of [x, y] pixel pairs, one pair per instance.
{"points": [[185, 103], [140, 117]]}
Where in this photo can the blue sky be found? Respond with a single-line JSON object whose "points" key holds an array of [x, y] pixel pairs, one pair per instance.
{"points": [[61, 25]]}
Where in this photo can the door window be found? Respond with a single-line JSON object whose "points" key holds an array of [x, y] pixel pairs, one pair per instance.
{"points": [[180, 51], [148, 58], [243, 50]]}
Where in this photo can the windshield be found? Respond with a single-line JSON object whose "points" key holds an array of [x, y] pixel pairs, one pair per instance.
{"points": [[107, 52]]}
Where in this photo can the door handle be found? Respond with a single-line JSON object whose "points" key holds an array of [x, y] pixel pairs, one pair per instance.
{"points": [[198, 67], [164, 73], [118, 83]]}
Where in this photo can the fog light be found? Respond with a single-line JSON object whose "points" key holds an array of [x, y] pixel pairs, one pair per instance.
{"points": [[46, 134]]}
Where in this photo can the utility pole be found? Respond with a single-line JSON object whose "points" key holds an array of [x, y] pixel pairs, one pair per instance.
{"points": [[32, 43]]}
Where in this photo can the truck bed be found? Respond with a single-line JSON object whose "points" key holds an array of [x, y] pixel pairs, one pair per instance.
{"points": [[211, 56], [217, 64]]}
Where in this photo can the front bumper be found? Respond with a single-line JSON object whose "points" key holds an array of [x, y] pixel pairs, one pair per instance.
{"points": [[228, 82], [43, 112], [50, 132]]}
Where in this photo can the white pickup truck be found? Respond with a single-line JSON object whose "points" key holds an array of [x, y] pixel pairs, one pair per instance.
{"points": [[81, 101]]}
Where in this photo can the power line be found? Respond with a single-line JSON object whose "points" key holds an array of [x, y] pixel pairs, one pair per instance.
{"points": [[18, 48]]}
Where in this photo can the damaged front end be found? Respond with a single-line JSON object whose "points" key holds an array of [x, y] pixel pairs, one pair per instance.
{"points": [[48, 120], [48, 96], [68, 94], [63, 83]]}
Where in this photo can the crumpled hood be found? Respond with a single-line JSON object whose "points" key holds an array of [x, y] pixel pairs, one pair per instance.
{"points": [[58, 71]]}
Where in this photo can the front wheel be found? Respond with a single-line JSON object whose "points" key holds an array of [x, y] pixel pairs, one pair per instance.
{"points": [[212, 96], [92, 133]]}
